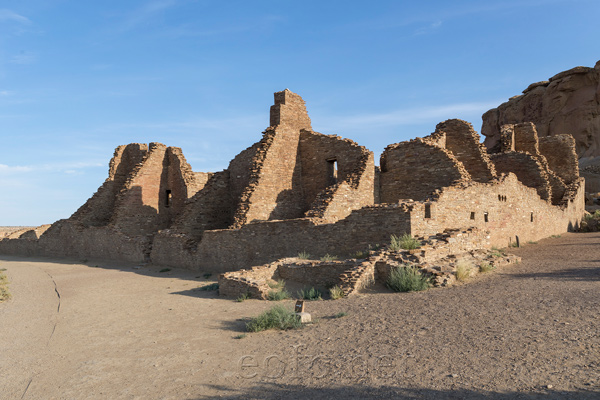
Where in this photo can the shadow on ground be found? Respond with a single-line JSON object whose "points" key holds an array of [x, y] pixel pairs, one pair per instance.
{"points": [[278, 391]]}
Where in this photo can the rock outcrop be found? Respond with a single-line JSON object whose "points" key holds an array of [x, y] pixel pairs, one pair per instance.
{"points": [[569, 102]]}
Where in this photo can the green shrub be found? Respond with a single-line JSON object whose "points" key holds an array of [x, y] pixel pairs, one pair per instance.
{"points": [[404, 242], [329, 257], [310, 294], [165, 270], [276, 295], [464, 271], [555, 236], [277, 317], [407, 279], [212, 286], [361, 254], [280, 284], [340, 314], [336, 292], [243, 335], [243, 297], [207, 275], [485, 267], [304, 255]]}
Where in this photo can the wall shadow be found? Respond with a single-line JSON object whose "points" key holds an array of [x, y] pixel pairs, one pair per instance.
{"points": [[272, 391]]}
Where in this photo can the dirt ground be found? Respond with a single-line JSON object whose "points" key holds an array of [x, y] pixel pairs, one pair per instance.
{"points": [[98, 330]]}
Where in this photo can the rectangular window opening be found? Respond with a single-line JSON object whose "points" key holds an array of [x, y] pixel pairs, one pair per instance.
{"points": [[531, 218], [332, 171], [427, 210], [485, 217], [472, 215], [168, 198]]}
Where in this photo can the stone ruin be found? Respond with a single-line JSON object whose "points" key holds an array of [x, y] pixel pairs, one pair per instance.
{"points": [[297, 190], [567, 103]]}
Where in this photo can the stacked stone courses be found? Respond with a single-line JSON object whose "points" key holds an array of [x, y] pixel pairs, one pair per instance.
{"points": [[297, 190]]}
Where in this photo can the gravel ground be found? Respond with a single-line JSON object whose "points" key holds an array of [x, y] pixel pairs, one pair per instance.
{"points": [[527, 331]]}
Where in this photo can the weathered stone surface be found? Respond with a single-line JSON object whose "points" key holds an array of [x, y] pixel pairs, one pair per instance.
{"points": [[297, 190], [569, 103]]}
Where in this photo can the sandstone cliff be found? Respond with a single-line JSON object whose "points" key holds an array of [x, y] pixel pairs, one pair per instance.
{"points": [[569, 102]]}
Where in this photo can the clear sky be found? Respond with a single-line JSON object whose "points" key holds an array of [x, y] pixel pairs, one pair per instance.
{"points": [[78, 78]]}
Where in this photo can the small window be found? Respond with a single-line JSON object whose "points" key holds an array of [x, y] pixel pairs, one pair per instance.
{"points": [[168, 198], [531, 217], [499, 197], [427, 210], [332, 171], [472, 215], [485, 217]]}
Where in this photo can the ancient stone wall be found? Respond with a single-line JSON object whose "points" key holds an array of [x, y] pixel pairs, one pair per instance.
{"points": [[297, 190], [523, 138], [264, 242], [337, 175], [98, 210], [560, 153], [506, 208], [210, 208], [415, 169], [527, 169], [463, 142]]}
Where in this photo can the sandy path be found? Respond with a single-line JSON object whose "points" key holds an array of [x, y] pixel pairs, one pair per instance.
{"points": [[527, 331], [119, 333]]}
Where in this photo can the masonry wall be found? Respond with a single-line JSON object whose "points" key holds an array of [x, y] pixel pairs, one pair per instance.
{"points": [[525, 139], [260, 243], [560, 152], [275, 185], [513, 210], [280, 197], [98, 210], [463, 142], [527, 169], [337, 175], [415, 169]]}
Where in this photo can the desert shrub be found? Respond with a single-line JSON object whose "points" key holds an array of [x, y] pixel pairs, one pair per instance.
{"points": [[340, 314], [277, 317], [165, 270], [309, 294], [336, 292], [361, 254], [329, 257], [404, 242], [407, 279], [207, 275], [212, 286], [276, 295], [485, 267], [280, 284], [304, 255], [4, 293], [243, 297], [464, 271]]}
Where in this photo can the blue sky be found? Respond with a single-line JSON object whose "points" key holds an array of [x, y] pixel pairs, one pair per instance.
{"points": [[79, 78]]}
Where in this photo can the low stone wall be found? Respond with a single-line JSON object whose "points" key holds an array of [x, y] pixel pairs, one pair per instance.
{"points": [[352, 275]]}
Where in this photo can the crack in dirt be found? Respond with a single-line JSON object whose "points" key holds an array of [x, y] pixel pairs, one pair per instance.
{"points": [[57, 308], [26, 389]]}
